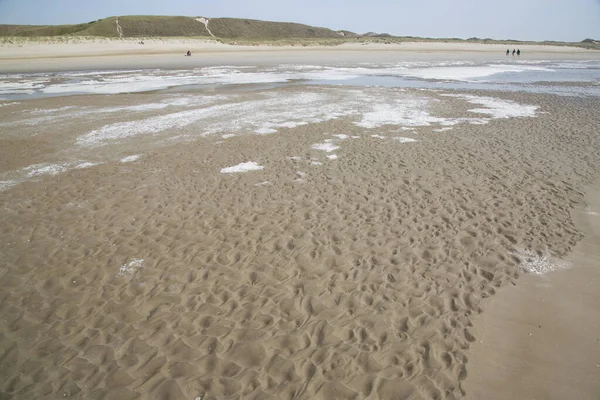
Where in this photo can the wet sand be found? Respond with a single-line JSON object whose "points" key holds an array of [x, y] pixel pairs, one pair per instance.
{"points": [[541, 338], [314, 278]]}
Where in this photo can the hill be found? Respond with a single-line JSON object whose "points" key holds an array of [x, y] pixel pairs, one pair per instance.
{"points": [[230, 30], [159, 26]]}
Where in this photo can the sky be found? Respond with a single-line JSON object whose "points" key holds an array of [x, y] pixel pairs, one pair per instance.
{"points": [[565, 20]]}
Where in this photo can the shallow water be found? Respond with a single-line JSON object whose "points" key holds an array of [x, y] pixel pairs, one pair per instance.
{"points": [[567, 77]]}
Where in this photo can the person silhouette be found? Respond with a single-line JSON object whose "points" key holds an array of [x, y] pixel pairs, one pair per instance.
{"points": [[519, 52], [514, 52], [507, 51]]}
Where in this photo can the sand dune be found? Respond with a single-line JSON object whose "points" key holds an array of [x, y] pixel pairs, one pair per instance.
{"points": [[352, 278]]}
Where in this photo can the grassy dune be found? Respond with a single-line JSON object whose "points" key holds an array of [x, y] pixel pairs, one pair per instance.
{"points": [[151, 26], [234, 28], [226, 30]]}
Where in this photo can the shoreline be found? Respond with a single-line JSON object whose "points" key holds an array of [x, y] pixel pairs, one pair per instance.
{"points": [[169, 54], [539, 338]]}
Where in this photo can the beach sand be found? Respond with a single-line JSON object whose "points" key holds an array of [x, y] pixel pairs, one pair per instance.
{"points": [[366, 276], [86, 54], [541, 338]]}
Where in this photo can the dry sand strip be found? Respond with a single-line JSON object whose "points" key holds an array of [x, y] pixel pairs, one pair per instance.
{"points": [[168, 53], [163, 278], [540, 339]]}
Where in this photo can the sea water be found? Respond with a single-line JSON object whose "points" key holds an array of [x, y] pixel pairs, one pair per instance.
{"points": [[566, 77]]}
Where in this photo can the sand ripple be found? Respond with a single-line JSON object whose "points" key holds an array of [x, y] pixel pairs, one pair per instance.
{"points": [[165, 279]]}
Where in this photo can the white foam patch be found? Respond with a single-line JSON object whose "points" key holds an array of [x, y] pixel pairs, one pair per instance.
{"points": [[45, 169], [228, 136], [117, 85], [265, 131], [400, 112], [129, 159], [378, 136], [444, 129], [498, 108], [313, 162], [593, 213], [9, 104], [326, 146], [537, 264], [131, 267], [28, 86], [40, 170], [141, 81], [332, 156], [86, 165], [405, 139], [276, 111], [70, 112], [477, 121], [5, 185], [355, 137], [243, 167]]}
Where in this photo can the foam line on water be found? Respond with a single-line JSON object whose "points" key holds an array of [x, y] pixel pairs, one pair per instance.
{"points": [[259, 116], [70, 112]]}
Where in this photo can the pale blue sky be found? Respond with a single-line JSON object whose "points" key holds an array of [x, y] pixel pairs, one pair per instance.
{"points": [[568, 20]]}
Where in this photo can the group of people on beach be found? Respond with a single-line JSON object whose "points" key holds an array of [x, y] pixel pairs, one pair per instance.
{"points": [[518, 52]]}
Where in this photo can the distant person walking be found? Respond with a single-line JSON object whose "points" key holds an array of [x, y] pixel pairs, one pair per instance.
{"points": [[518, 52], [507, 52], [514, 51]]}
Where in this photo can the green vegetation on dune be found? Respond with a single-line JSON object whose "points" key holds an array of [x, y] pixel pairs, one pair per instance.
{"points": [[159, 26], [41, 30], [235, 28], [147, 26]]}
